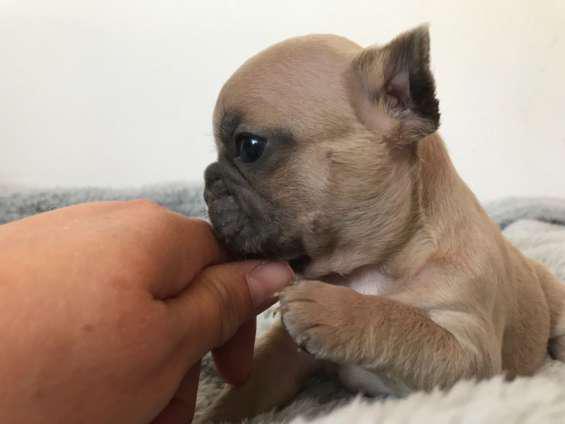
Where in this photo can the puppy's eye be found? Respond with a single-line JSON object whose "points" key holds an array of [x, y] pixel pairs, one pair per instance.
{"points": [[249, 147]]}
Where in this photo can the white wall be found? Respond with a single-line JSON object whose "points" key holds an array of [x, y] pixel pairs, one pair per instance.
{"points": [[121, 92]]}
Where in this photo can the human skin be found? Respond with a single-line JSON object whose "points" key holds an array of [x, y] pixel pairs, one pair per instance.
{"points": [[107, 309]]}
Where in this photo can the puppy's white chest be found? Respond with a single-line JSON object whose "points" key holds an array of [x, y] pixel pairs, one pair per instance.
{"points": [[368, 280]]}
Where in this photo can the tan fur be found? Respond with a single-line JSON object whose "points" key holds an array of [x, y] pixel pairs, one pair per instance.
{"points": [[464, 302], [277, 359], [339, 325]]}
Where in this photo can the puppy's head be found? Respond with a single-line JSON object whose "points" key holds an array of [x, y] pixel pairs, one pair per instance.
{"points": [[316, 140]]}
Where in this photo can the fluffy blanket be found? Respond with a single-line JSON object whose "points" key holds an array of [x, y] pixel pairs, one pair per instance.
{"points": [[536, 226]]}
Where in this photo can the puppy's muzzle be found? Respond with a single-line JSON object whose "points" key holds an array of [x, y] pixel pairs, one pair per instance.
{"points": [[241, 218], [249, 225], [225, 212]]}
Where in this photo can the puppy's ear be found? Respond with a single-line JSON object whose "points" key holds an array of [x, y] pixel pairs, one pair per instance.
{"points": [[394, 90]]}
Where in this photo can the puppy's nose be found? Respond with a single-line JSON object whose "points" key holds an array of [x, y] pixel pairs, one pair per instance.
{"points": [[212, 173], [215, 186]]}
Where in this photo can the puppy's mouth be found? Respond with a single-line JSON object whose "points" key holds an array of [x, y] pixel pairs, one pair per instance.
{"points": [[299, 263], [249, 226]]}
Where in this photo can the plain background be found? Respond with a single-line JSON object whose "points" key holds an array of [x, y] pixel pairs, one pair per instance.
{"points": [[120, 93]]}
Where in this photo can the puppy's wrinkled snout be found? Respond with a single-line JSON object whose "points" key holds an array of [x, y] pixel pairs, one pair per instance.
{"points": [[215, 186], [215, 190], [225, 214], [241, 218]]}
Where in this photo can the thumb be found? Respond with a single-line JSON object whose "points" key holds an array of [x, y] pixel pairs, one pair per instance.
{"points": [[223, 297]]}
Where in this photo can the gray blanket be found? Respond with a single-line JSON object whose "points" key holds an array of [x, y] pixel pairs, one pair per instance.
{"points": [[537, 226], [187, 199]]}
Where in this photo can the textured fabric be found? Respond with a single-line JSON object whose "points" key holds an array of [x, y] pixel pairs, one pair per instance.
{"points": [[536, 226], [509, 210], [182, 198]]}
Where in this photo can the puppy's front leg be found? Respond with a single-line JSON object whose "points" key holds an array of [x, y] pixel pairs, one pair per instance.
{"points": [[279, 369], [338, 324], [555, 295]]}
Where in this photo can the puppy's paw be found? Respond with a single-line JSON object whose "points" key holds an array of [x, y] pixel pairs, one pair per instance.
{"points": [[319, 317]]}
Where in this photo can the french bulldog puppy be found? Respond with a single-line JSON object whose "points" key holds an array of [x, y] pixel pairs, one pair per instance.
{"points": [[328, 157]]}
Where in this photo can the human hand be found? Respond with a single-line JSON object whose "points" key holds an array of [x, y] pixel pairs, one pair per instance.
{"points": [[107, 309]]}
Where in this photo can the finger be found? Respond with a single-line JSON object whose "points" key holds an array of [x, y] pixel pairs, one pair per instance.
{"points": [[223, 297], [180, 246], [234, 358], [180, 409], [191, 246]]}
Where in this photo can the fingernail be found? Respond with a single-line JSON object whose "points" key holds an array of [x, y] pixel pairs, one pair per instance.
{"points": [[266, 280]]}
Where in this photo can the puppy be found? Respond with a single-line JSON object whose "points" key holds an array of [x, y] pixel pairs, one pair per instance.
{"points": [[328, 157]]}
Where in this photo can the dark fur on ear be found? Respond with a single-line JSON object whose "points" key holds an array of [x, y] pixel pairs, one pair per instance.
{"points": [[410, 53], [398, 82]]}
